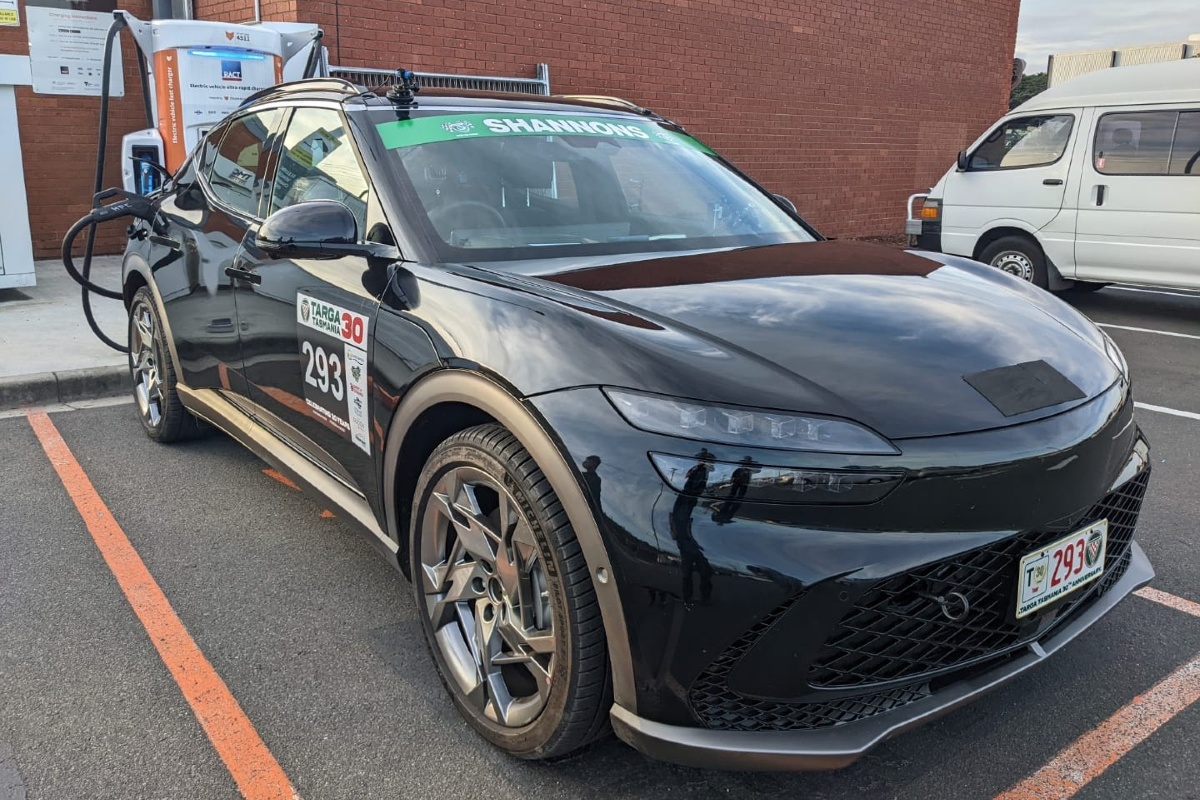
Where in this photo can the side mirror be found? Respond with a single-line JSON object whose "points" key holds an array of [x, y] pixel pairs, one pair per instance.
{"points": [[964, 163], [190, 197], [312, 229], [786, 203]]}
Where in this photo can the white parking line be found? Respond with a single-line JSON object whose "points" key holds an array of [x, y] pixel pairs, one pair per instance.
{"points": [[1169, 600], [1163, 410], [1148, 330], [1154, 291]]}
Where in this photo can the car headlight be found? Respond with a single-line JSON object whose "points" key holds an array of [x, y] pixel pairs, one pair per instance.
{"points": [[702, 476], [709, 422], [1115, 355]]}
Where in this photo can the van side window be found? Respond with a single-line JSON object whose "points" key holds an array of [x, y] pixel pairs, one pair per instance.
{"points": [[1025, 142], [1134, 143], [1185, 151]]}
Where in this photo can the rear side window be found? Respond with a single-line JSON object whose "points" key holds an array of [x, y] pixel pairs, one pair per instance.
{"points": [[1134, 143], [239, 168], [1024, 142]]}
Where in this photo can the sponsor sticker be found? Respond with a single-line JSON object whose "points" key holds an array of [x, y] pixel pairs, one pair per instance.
{"points": [[446, 127], [333, 357]]}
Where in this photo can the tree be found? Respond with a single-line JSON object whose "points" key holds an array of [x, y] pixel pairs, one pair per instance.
{"points": [[1029, 86]]}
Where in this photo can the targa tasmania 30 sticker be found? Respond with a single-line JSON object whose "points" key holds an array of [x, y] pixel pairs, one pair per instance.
{"points": [[333, 356]]}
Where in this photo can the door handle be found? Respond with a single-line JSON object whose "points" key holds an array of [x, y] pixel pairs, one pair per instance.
{"points": [[1100, 194], [243, 275], [1052, 182]]}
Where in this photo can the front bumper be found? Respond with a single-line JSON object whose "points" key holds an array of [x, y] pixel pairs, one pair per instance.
{"points": [[837, 747]]}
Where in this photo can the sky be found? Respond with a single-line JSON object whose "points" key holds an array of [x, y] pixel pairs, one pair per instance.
{"points": [[1064, 26]]}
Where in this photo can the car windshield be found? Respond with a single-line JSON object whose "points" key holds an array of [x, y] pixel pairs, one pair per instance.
{"points": [[514, 185]]}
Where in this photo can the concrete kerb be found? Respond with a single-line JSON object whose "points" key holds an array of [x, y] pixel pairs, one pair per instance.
{"points": [[64, 386]]}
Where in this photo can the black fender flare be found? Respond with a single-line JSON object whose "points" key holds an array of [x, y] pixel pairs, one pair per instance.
{"points": [[474, 389]]}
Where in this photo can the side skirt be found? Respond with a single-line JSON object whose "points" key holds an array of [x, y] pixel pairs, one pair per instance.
{"points": [[209, 405]]}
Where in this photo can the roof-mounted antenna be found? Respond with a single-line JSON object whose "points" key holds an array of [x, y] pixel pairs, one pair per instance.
{"points": [[404, 91]]}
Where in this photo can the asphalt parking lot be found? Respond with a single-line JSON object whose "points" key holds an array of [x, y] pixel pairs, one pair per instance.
{"points": [[317, 640]]}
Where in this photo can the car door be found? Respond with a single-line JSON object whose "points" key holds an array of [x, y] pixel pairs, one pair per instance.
{"points": [[1139, 200], [209, 208], [306, 322], [1016, 172]]}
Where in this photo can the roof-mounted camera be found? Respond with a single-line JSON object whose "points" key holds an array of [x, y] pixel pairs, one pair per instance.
{"points": [[404, 90]]}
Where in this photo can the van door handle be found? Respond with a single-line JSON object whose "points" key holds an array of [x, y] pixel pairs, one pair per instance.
{"points": [[1100, 194], [243, 275], [1052, 182]]}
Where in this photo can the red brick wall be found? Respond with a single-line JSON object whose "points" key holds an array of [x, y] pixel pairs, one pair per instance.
{"points": [[58, 145], [846, 107]]}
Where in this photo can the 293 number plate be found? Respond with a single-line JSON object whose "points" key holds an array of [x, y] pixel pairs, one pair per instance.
{"points": [[1055, 571]]}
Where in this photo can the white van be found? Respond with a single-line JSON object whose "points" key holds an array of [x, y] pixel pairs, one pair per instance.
{"points": [[1094, 181]]}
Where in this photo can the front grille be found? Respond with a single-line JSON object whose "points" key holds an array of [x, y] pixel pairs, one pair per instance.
{"points": [[720, 708], [888, 645], [896, 631]]}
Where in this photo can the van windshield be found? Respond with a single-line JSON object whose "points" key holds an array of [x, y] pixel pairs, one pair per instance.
{"points": [[1024, 142], [516, 185]]}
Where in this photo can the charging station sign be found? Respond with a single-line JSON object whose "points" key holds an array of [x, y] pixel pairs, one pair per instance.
{"points": [[197, 87], [66, 51]]}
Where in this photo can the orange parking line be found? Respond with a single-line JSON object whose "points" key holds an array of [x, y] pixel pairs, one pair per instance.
{"points": [[255, 771], [1091, 754], [279, 476], [1169, 600]]}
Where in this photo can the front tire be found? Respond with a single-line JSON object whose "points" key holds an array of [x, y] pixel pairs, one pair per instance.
{"points": [[1018, 256], [505, 598], [159, 408]]}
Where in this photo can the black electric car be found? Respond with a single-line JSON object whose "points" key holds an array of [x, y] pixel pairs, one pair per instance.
{"points": [[652, 452]]}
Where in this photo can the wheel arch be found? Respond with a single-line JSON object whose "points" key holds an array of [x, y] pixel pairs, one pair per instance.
{"points": [[138, 274], [450, 400], [1054, 278]]}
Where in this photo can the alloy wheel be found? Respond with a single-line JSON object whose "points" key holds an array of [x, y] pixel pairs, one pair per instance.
{"points": [[143, 356], [486, 594]]}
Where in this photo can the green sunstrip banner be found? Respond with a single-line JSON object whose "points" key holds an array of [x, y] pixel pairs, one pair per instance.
{"points": [[446, 127]]}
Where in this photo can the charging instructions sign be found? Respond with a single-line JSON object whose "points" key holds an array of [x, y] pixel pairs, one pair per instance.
{"points": [[66, 50], [333, 357]]}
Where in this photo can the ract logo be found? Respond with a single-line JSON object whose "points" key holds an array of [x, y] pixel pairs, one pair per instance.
{"points": [[231, 70]]}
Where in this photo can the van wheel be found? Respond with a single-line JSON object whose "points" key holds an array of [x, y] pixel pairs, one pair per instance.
{"points": [[1017, 256]]}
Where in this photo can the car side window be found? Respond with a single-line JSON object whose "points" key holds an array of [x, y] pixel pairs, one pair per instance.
{"points": [[239, 165], [1134, 143], [317, 162], [1185, 149], [1025, 142]]}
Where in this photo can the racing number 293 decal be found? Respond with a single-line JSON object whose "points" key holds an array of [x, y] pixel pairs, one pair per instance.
{"points": [[324, 371], [334, 360]]}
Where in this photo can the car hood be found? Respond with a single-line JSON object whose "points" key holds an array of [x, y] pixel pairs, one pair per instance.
{"points": [[880, 335]]}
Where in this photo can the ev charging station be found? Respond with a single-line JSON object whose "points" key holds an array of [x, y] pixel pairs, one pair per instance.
{"points": [[194, 73], [197, 73]]}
